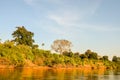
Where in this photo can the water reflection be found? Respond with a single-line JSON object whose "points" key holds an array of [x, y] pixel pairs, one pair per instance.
{"points": [[58, 74]]}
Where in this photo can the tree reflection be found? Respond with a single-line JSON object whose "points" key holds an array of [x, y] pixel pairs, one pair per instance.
{"points": [[57, 74]]}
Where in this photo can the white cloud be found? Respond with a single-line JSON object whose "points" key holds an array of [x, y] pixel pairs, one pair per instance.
{"points": [[70, 14], [65, 19], [97, 27], [29, 2]]}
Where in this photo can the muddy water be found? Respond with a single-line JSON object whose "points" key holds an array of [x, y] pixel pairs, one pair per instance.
{"points": [[58, 74]]}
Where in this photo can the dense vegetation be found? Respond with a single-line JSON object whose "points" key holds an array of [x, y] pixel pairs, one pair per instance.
{"points": [[22, 52]]}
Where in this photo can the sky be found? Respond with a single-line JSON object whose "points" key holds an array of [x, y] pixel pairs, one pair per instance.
{"points": [[88, 24]]}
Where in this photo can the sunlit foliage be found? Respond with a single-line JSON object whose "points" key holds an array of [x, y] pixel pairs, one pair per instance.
{"points": [[23, 36]]}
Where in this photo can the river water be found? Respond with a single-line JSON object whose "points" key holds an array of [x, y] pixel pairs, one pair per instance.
{"points": [[58, 74]]}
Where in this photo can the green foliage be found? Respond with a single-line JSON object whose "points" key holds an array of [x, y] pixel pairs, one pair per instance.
{"points": [[88, 52], [38, 52], [83, 56], [116, 59], [93, 56], [35, 46], [26, 51], [105, 58], [57, 59], [9, 51], [76, 54], [47, 54], [23, 36], [17, 55], [38, 57], [69, 54]]}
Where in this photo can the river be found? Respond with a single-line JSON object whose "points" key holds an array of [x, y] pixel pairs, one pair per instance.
{"points": [[58, 74]]}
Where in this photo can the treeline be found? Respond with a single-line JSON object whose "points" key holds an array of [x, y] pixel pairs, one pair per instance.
{"points": [[21, 51]]}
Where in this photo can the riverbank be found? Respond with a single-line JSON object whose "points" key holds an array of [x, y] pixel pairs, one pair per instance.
{"points": [[29, 64], [86, 67], [22, 56]]}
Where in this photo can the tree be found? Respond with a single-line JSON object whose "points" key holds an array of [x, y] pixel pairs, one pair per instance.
{"points": [[61, 46], [23, 36], [83, 56], [69, 54], [43, 44], [77, 54], [93, 55], [116, 59], [88, 52], [105, 58]]}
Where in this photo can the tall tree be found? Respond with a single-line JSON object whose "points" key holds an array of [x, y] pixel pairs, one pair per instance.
{"points": [[23, 36], [61, 46]]}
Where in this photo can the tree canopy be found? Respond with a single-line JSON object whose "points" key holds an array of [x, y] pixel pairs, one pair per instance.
{"points": [[116, 59], [23, 36], [61, 46], [91, 55], [105, 58]]}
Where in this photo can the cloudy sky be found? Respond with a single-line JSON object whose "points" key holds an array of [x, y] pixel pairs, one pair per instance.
{"points": [[88, 24]]}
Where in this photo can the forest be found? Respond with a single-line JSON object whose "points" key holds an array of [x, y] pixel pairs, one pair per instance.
{"points": [[23, 52]]}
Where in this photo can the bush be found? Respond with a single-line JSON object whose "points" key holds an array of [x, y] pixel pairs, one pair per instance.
{"points": [[69, 54]]}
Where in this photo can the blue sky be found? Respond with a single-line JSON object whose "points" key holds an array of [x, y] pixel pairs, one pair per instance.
{"points": [[88, 24]]}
